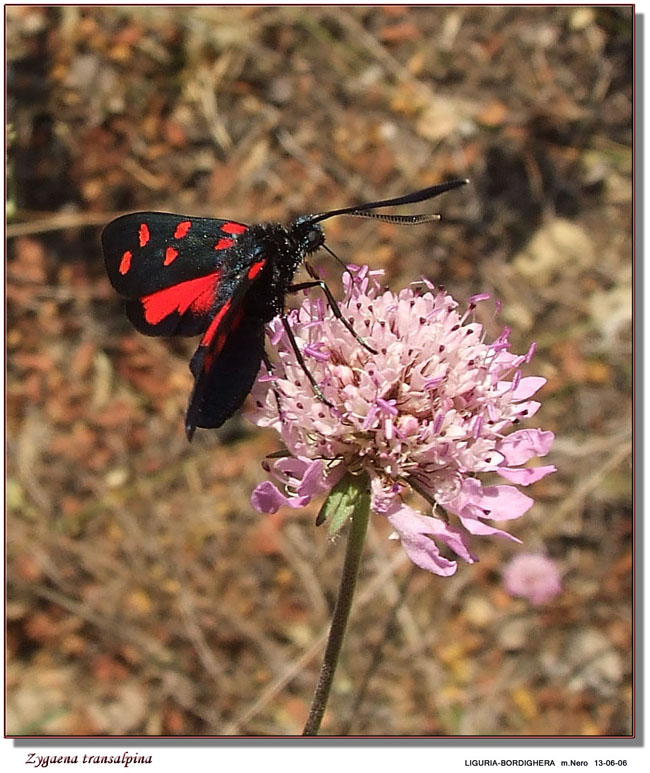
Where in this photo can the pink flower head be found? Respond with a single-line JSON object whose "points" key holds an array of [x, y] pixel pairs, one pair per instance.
{"points": [[533, 576], [429, 412]]}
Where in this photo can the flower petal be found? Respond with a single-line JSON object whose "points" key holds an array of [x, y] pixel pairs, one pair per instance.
{"points": [[526, 475], [453, 538], [268, 499], [504, 503], [528, 409], [520, 446], [413, 527], [314, 480], [527, 387], [475, 525], [424, 553]]}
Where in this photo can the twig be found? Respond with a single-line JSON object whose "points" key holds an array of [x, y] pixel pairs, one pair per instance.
{"points": [[59, 222]]}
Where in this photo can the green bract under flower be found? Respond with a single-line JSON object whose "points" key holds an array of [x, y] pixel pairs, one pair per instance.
{"points": [[429, 411]]}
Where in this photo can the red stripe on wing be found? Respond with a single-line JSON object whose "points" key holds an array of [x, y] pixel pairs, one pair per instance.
{"points": [[222, 336], [209, 333], [195, 294], [223, 243]]}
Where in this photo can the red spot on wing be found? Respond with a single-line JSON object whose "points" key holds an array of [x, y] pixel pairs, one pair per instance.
{"points": [[209, 333], [182, 229], [143, 234], [170, 255], [125, 263], [255, 269], [195, 294], [233, 228], [223, 243]]}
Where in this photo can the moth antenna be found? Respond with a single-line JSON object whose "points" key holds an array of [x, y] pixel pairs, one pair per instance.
{"points": [[410, 198], [402, 219]]}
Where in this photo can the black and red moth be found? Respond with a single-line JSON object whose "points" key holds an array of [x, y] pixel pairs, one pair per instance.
{"points": [[221, 280]]}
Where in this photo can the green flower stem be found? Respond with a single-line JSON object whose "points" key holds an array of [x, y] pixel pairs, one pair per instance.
{"points": [[360, 494]]}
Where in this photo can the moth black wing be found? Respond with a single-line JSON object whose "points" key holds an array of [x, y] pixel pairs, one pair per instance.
{"points": [[220, 389], [148, 251], [169, 268], [229, 355]]}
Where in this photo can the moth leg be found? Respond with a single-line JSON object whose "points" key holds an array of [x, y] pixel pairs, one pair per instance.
{"points": [[267, 362], [301, 361], [278, 400], [336, 309]]}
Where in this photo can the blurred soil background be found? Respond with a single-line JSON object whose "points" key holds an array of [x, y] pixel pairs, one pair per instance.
{"points": [[145, 596]]}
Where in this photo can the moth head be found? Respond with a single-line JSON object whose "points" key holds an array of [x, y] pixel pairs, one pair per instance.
{"points": [[308, 235]]}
